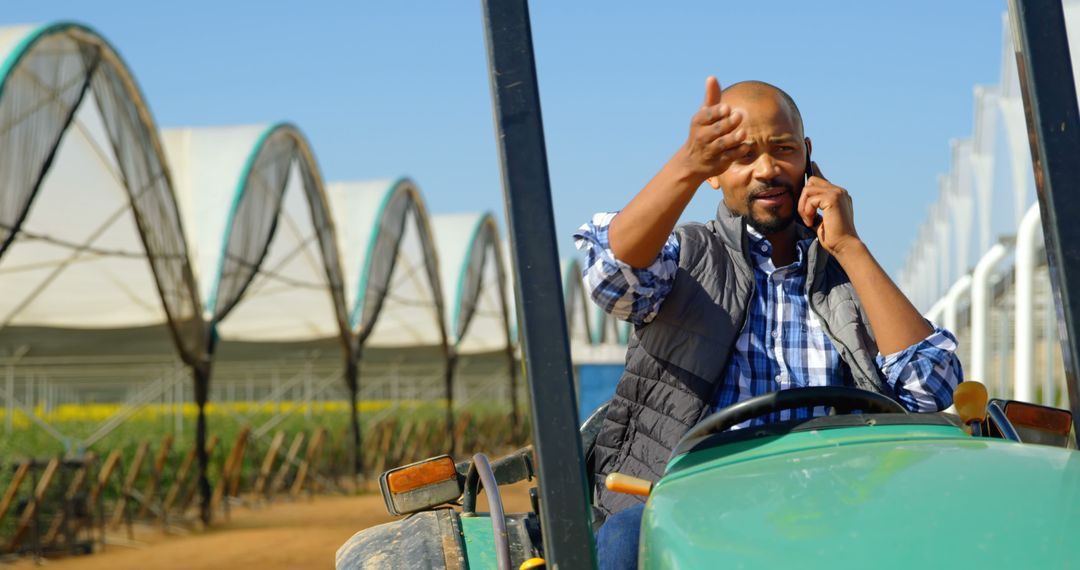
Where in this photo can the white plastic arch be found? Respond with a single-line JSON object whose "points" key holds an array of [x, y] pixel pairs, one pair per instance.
{"points": [[966, 216], [47, 73], [231, 183], [967, 241], [392, 284], [477, 310]]}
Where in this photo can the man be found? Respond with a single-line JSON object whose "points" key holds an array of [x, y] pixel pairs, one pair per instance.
{"points": [[778, 292]]}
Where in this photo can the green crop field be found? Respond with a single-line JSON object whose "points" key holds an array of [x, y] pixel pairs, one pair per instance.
{"points": [[392, 435]]}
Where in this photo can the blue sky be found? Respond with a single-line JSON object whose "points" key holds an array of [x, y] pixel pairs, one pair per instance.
{"points": [[384, 89]]}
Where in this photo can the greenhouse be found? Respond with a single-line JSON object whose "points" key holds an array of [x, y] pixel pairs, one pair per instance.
{"points": [[478, 311], [978, 265], [101, 302], [209, 281]]}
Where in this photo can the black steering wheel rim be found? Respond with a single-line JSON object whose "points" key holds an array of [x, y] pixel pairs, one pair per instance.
{"points": [[843, 399]]}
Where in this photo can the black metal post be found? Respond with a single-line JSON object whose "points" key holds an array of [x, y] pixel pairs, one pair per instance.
{"points": [[1049, 93], [515, 418], [568, 538], [451, 367], [352, 381], [202, 390]]}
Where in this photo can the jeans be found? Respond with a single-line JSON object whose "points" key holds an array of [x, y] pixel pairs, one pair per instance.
{"points": [[617, 540]]}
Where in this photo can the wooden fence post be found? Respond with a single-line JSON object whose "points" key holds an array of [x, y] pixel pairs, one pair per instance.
{"points": [[155, 476], [93, 502], [309, 460], [268, 463], [13, 488], [178, 482], [398, 454], [382, 444], [459, 433], [31, 508], [76, 485], [232, 463], [103, 478], [290, 458], [419, 447], [129, 483]]}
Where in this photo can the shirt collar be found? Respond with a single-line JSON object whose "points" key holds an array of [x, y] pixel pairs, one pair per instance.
{"points": [[762, 248]]}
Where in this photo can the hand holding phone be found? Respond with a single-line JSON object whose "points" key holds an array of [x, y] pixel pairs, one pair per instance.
{"points": [[835, 223]]}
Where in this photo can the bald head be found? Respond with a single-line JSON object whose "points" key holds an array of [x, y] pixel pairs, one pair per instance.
{"points": [[754, 90]]}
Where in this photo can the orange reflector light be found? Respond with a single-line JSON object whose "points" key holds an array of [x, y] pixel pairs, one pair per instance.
{"points": [[1052, 420], [970, 400], [626, 484], [533, 564], [421, 474]]}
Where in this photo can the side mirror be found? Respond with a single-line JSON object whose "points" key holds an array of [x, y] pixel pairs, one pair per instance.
{"points": [[1039, 424], [421, 485]]}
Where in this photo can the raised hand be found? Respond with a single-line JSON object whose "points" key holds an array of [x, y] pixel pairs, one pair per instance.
{"points": [[713, 132], [835, 226], [640, 230]]}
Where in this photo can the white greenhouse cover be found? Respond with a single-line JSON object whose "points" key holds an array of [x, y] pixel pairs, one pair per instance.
{"points": [[100, 242], [473, 281], [207, 165], [289, 299], [392, 284], [123, 227], [246, 195], [12, 36], [47, 280]]}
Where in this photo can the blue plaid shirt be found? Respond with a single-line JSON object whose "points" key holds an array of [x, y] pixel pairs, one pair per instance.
{"points": [[782, 344]]}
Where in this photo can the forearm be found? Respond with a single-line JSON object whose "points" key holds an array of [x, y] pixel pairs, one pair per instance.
{"points": [[923, 376], [640, 229], [628, 294], [896, 323]]}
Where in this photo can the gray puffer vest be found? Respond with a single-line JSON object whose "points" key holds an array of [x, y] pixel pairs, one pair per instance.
{"points": [[675, 364]]}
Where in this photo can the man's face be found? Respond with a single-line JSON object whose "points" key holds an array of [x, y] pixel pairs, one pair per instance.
{"points": [[765, 178]]}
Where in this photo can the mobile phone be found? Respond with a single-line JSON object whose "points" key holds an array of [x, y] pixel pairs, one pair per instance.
{"points": [[809, 167], [807, 173]]}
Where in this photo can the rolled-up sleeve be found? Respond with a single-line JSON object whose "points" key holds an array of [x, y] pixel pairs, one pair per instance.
{"points": [[626, 293], [925, 374]]}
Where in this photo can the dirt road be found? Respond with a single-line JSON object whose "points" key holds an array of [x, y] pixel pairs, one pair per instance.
{"points": [[283, 536]]}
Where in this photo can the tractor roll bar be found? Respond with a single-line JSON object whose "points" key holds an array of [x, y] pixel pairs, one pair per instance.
{"points": [[564, 507], [1049, 93]]}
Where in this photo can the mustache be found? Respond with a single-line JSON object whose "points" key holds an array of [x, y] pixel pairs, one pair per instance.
{"points": [[769, 186]]}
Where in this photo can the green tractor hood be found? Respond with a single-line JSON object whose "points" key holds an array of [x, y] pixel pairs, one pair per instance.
{"points": [[922, 496]]}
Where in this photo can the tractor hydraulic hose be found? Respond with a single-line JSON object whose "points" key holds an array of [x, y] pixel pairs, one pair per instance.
{"points": [[495, 508]]}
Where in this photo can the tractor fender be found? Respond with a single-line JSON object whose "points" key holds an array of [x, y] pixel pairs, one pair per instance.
{"points": [[430, 539]]}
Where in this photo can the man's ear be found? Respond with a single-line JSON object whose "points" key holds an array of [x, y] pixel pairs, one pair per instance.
{"points": [[714, 181], [809, 147]]}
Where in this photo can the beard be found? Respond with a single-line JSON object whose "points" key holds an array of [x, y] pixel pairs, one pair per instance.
{"points": [[770, 222], [770, 225]]}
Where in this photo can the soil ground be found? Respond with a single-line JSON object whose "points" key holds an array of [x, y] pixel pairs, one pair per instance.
{"points": [[284, 535]]}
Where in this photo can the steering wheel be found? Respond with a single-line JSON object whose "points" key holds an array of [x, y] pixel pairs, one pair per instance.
{"points": [[842, 399]]}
